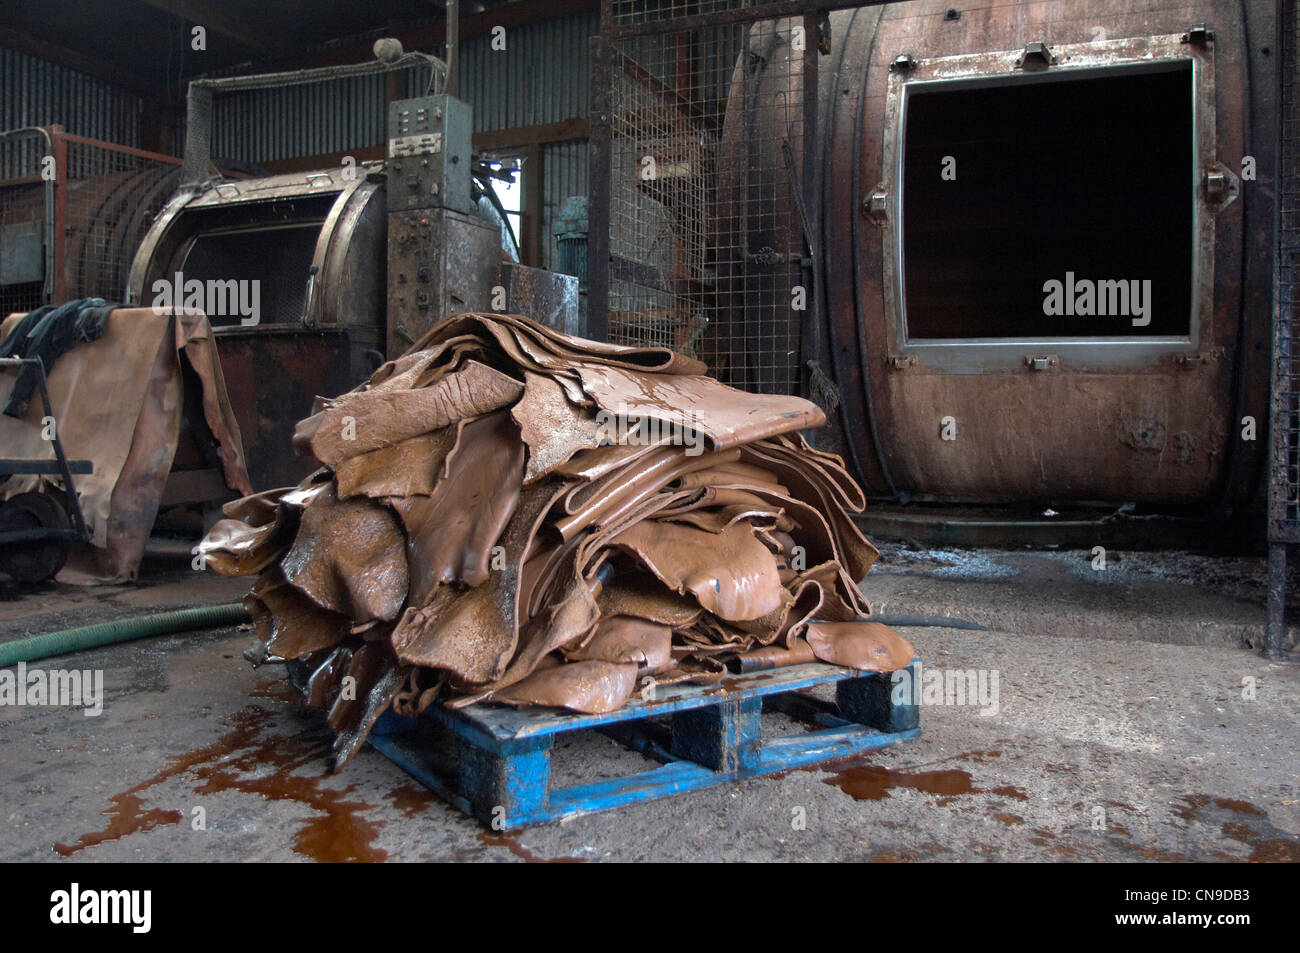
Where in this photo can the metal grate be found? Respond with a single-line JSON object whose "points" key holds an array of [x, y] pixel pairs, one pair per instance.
{"points": [[706, 158], [87, 227], [630, 12], [1285, 497], [26, 218]]}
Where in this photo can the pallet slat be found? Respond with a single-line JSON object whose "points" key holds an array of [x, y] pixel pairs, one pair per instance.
{"points": [[502, 770]]}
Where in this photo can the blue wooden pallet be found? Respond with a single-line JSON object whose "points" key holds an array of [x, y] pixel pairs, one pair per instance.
{"points": [[493, 762]]}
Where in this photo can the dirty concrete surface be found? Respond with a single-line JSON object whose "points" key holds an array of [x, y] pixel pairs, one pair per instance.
{"points": [[1131, 725]]}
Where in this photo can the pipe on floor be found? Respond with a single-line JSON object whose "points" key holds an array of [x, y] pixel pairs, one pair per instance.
{"points": [[85, 637], [926, 622]]}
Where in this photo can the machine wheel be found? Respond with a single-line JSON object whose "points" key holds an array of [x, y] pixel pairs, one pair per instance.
{"points": [[33, 560]]}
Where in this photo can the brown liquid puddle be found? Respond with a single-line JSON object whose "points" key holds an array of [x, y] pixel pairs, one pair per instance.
{"points": [[411, 799], [279, 689], [126, 818], [230, 764], [873, 782], [1255, 834], [510, 841]]}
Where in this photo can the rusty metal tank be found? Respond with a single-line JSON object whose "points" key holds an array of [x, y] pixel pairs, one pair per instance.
{"points": [[969, 157], [316, 244]]}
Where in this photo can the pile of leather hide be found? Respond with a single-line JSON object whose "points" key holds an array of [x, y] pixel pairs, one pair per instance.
{"points": [[507, 513]]}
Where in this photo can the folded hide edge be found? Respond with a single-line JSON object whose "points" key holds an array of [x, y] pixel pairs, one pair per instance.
{"points": [[513, 515]]}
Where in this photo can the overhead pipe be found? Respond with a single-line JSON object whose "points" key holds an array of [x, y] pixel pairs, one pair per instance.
{"points": [[198, 119]]}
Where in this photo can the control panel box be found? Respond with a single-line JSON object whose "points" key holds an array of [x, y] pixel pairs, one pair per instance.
{"points": [[429, 145]]}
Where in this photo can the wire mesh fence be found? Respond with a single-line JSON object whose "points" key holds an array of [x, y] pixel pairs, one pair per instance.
{"points": [[74, 236], [706, 245], [1285, 497], [26, 220]]}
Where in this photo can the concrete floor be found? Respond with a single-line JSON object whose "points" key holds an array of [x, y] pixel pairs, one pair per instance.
{"points": [[1125, 731]]}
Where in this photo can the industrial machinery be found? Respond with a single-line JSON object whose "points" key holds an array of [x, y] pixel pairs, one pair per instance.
{"points": [[72, 213], [337, 270], [1024, 250], [36, 527]]}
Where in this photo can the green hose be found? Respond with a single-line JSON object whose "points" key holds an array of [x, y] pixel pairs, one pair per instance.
{"points": [[122, 630]]}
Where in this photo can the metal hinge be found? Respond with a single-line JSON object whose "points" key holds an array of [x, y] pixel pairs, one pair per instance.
{"points": [[876, 205], [1036, 54], [1198, 34], [1041, 363], [1221, 186], [901, 362]]}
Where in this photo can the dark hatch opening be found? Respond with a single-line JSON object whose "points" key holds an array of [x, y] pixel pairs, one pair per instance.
{"points": [[278, 258], [1089, 175]]}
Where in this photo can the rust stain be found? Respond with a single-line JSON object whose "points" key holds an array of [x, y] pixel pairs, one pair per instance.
{"points": [[510, 841], [126, 817], [411, 799], [1251, 827], [279, 689], [232, 763], [872, 782], [1243, 807]]}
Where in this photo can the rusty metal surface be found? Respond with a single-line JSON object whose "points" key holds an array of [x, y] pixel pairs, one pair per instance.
{"points": [[439, 261], [543, 295], [567, 590], [1129, 425], [1148, 419], [279, 366], [302, 365]]}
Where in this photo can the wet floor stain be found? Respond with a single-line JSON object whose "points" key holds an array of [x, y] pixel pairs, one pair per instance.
{"points": [[511, 842], [239, 761], [874, 782], [1243, 822], [411, 799], [126, 816], [278, 688]]}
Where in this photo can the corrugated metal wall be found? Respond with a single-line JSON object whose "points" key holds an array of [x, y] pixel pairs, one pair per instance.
{"points": [[264, 124], [541, 76], [38, 93], [564, 173]]}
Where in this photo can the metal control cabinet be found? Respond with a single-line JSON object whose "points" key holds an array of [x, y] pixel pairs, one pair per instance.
{"points": [[439, 261], [429, 143]]}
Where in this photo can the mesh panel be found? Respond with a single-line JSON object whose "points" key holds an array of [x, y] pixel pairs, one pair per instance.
{"points": [[706, 248], [276, 261], [1286, 390], [630, 12], [23, 223], [111, 200], [106, 201]]}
